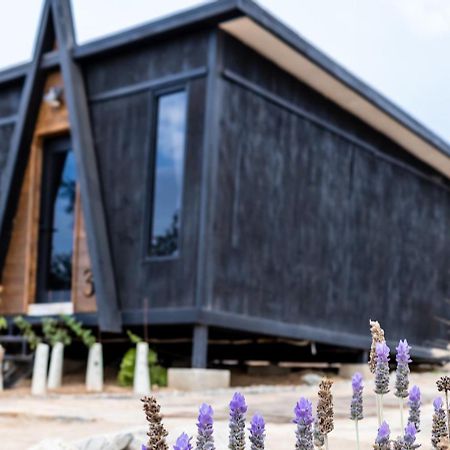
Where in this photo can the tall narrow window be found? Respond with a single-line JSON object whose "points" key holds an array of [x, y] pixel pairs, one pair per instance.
{"points": [[56, 222], [168, 173]]}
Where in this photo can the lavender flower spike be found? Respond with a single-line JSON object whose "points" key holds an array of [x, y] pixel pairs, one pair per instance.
{"points": [[238, 408], [205, 439], [304, 420], [410, 437], [183, 442], [356, 407], [414, 407], [402, 373], [439, 424], [257, 432], [382, 441], [382, 369]]}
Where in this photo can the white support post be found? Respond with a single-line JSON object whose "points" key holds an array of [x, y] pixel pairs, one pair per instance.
{"points": [[56, 366], [94, 372], [141, 384], [39, 381]]}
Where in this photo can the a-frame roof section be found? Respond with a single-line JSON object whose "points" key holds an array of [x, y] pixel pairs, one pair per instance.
{"points": [[56, 21]]}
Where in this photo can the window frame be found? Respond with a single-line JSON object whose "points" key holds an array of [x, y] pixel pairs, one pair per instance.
{"points": [[154, 96]]}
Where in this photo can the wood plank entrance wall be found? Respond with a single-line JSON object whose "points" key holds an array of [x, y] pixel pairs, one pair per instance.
{"points": [[19, 274]]}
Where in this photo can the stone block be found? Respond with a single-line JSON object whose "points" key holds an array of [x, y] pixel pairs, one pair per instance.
{"points": [[198, 379]]}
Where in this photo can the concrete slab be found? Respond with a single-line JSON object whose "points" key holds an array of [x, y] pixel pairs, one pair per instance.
{"points": [[197, 379]]}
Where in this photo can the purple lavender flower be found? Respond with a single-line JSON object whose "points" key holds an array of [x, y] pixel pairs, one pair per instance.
{"points": [[414, 407], [438, 403], [382, 369], [238, 403], [303, 412], [356, 407], [304, 419], [382, 352], [205, 440], [410, 434], [257, 432], [383, 437], [238, 408], [183, 442], [402, 373], [403, 352]]}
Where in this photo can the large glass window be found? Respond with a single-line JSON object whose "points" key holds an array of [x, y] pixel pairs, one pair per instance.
{"points": [[168, 173], [56, 222]]}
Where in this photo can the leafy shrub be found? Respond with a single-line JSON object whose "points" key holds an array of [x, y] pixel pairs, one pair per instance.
{"points": [[27, 332], [77, 329], [54, 332]]}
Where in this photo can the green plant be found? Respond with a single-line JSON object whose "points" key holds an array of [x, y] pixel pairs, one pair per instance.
{"points": [[3, 323], [54, 332], [134, 338], [77, 329], [27, 332], [158, 374]]}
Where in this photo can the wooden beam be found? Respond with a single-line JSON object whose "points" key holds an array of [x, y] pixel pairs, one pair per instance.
{"points": [[143, 86], [23, 132], [83, 146], [200, 347], [203, 290]]}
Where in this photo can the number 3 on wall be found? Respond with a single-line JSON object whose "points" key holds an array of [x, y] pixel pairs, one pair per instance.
{"points": [[89, 288]]}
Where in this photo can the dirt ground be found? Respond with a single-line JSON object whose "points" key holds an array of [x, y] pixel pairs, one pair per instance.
{"points": [[72, 415]]}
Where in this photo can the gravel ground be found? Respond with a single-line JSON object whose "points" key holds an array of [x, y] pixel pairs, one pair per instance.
{"points": [[72, 415]]}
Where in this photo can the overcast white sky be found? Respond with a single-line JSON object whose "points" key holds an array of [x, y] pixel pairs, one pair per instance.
{"points": [[399, 47]]}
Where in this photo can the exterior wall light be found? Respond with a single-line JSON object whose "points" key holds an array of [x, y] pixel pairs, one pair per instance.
{"points": [[53, 97]]}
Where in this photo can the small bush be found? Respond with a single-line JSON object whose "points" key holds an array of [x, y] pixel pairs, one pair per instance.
{"points": [[158, 374]]}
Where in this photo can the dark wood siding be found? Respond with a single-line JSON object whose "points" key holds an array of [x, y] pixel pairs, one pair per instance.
{"points": [[312, 228], [123, 134], [149, 61]]}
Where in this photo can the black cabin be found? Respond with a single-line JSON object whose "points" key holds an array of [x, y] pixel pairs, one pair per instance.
{"points": [[213, 175]]}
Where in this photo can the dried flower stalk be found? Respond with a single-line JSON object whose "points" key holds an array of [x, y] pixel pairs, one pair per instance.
{"points": [[443, 384], [157, 433], [439, 428], [377, 338], [325, 407]]}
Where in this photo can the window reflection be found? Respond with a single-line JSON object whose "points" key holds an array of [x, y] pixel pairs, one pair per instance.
{"points": [[57, 224], [168, 175], [60, 270]]}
